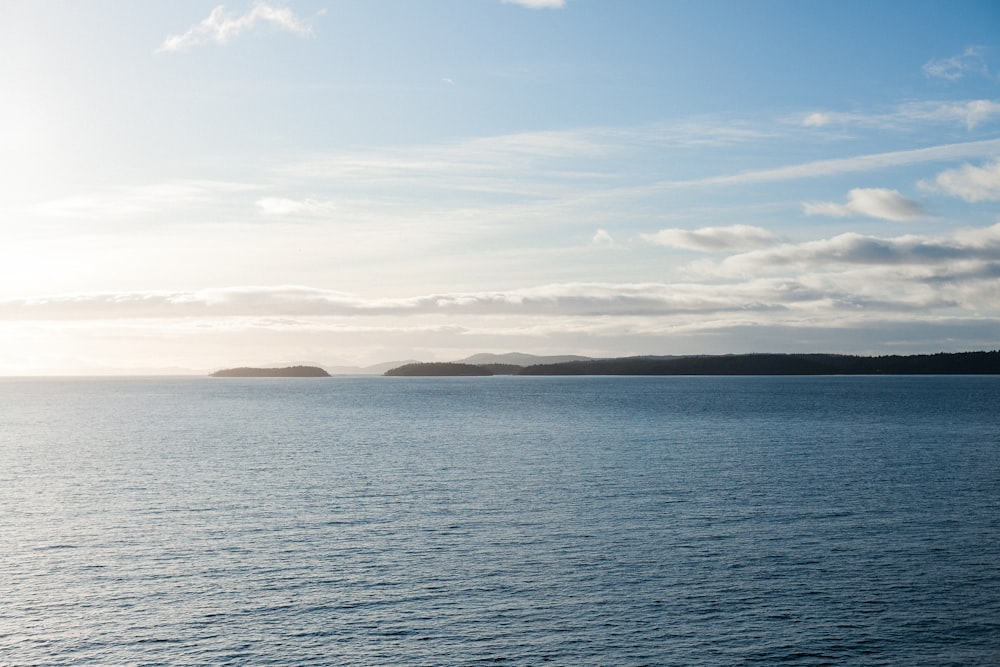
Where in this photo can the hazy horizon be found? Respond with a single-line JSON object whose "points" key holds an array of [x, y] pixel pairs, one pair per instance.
{"points": [[195, 185]]}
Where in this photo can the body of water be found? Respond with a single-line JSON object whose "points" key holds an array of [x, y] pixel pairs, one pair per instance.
{"points": [[500, 520]]}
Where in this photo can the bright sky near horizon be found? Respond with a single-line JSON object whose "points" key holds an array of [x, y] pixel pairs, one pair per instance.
{"points": [[194, 185]]}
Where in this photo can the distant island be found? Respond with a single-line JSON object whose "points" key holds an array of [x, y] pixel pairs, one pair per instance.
{"points": [[288, 372], [438, 369], [944, 363]]}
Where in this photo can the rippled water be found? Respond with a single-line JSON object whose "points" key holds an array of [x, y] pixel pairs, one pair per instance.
{"points": [[503, 520]]}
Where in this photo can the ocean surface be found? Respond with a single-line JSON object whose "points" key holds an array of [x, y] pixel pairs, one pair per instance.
{"points": [[500, 521]]}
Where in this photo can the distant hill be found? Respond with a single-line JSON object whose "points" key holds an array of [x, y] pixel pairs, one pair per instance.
{"points": [[519, 359], [959, 363], [437, 370], [375, 369], [287, 372]]}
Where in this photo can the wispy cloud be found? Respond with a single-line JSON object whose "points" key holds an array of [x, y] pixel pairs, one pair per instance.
{"points": [[971, 61], [126, 202], [878, 203], [860, 163], [713, 239], [911, 116], [220, 27], [278, 206], [548, 163], [538, 4], [501, 162], [973, 184], [498, 164]]}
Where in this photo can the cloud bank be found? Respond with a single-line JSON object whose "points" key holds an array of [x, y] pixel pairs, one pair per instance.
{"points": [[946, 252], [850, 293], [902, 270]]}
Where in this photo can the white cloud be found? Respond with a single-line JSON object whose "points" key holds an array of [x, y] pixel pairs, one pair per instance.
{"points": [[973, 184], [538, 4], [970, 61], [978, 111], [602, 237], [971, 113], [712, 239], [869, 202], [220, 27], [818, 119]]}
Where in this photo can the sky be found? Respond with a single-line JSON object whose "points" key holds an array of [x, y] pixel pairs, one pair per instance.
{"points": [[187, 185]]}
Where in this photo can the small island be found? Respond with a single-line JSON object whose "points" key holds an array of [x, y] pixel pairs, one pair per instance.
{"points": [[288, 372], [438, 370]]}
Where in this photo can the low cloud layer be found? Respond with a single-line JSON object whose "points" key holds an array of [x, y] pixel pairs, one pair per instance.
{"points": [[911, 116], [878, 203], [852, 270]]}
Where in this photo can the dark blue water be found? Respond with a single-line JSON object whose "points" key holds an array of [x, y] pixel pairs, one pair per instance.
{"points": [[522, 521]]}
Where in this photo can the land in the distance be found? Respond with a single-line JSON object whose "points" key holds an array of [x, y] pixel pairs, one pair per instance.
{"points": [[287, 372], [944, 363]]}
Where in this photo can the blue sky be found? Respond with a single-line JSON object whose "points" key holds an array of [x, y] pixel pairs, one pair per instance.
{"points": [[190, 185]]}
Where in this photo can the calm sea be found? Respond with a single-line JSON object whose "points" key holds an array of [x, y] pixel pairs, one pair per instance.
{"points": [[501, 520]]}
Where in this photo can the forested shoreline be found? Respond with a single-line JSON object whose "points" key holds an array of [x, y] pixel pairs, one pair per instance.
{"points": [[943, 363]]}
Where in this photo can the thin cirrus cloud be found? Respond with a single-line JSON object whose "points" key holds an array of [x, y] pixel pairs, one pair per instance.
{"points": [[126, 202], [880, 203], [848, 165], [968, 182], [910, 116], [712, 239], [278, 206], [971, 61], [220, 27]]}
